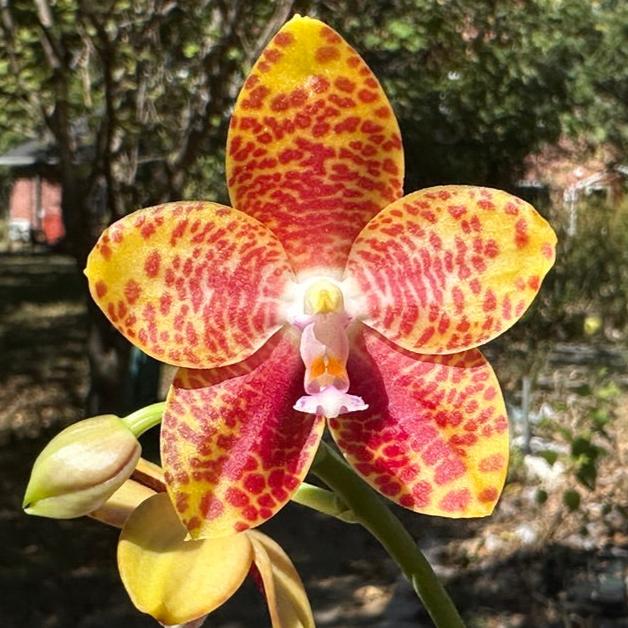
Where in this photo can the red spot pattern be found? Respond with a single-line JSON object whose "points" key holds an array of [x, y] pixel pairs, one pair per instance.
{"points": [[521, 233], [494, 462], [325, 54], [207, 290], [316, 156], [489, 494], [456, 500], [283, 39], [444, 272], [151, 265], [430, 418], [101, 289], [132, 291], [251, 450]]}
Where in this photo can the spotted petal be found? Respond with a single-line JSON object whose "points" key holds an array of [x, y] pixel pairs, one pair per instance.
{"points": [[192, 284], [285, 595], [173, 579], [314, 149], [449, 268], [233, 448], [435, 436]]}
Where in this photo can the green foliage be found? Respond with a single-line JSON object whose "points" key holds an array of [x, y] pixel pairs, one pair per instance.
{"points": [[585, 457], [541, 495], [588, 437], [572, 499], [589, 280], [478, 86], [549, 455], [601, 80], [133, 93]]}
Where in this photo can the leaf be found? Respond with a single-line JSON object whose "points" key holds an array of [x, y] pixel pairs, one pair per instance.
{"points": [[571, 499]]}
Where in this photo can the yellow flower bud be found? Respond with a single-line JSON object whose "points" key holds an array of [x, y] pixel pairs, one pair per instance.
{"points": [[81, 468]]}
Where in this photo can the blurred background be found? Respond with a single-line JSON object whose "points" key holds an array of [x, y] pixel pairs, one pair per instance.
{"points": [[111, 106]]}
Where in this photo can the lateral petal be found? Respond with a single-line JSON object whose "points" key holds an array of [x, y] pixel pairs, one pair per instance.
{"points": [[435, 436], [233, 448], [192, 284], [314, 149], [284, 591], [449, 268], [173, 579]]}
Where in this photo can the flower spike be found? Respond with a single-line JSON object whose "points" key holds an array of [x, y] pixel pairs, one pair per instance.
{"points": [[190, 283], [449, 268], [314, 149], [233, 448], [435, 437]]}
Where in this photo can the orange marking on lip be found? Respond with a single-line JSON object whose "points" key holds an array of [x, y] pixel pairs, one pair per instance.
{"points": [[317, 368]]}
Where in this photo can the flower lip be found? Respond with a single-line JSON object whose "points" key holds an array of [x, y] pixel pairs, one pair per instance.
{"points": [[330, 403]]}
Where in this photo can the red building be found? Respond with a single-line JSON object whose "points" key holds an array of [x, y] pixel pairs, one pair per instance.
{"points": [[34, 212]]}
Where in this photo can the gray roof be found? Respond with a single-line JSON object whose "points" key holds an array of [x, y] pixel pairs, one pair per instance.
{"points": [[30, 153]]}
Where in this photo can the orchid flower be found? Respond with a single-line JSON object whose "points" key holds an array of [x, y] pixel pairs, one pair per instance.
{"points": [[326, 297], [179, 581]]}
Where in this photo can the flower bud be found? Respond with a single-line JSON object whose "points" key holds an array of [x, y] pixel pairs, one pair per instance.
{"points": [[81, 468]]}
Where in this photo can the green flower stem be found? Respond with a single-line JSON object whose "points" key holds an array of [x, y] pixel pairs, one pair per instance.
{"points": [[324, 501], [375, 516], [142, 420]]}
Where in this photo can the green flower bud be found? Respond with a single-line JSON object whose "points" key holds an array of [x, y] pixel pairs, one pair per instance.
{"points": [[81, 468]]}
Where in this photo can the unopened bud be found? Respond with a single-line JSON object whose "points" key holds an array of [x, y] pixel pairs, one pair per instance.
{"points": [[81, 468]]}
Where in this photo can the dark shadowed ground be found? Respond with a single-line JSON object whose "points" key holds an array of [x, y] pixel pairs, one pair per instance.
{"points": [[528, 565]]}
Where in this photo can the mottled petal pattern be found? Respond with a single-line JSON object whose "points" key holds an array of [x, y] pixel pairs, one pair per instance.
{"points": [[173, 579], [314, 149], [190, 283], [435, 436], [449, 268], [285, 595], [233, 448]]}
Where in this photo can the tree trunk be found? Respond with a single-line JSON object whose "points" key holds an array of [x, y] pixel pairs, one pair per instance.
{"points": [[109, 354], [110, 389]]}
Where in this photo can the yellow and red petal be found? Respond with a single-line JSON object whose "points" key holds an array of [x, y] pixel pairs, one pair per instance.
{"points": [[314, 149], [173, 579], [435, 436], [449, 268], [233, 448], [284, 591], [190, 283]]}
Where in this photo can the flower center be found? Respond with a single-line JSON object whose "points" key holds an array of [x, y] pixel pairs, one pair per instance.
{"points": [[324, 351], [323, 297]]}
